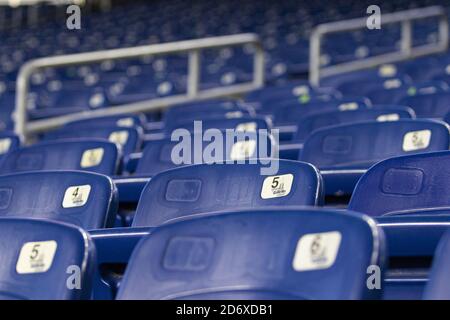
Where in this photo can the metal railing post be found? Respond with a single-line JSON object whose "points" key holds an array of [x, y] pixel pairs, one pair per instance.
{"points": [[20, 115], [193, 73], [258, 66], [444, 31], [314, 57], [407, 36]]}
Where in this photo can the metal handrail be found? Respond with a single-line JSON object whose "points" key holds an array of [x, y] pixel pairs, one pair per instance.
{"points": [[24, 128], [407, 51]]}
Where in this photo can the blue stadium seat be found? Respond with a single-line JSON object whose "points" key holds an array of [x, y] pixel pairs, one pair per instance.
{"points": [[38, 257], [433, 105], [208, 188], [300, 93], [205, 110], [369, 86], [394, 94], [157, 155], [90, 155], [362, 144], [123, 120], [414, 184], [329, 118], [353, 82], [438, 287], [85, 199], [127, 139], [261, 254], [76, 99], [293, 113], [245, 123]]}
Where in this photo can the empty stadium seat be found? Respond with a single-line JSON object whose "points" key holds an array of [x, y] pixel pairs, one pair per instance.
{"points": [[39, 257], [208, 188], [157, 155], [261, 254], [123, 120], [362, 144], [414, 184], [127, 139], [438, 287], [240, 124], [368, 86], [318, 120], [396, 93], [293, 113], [85, 199], [205, 110], [295, 93], [354, 82], [433, 105], [90, 155]]}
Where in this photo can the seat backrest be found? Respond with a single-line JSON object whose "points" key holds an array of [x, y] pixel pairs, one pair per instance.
{"points": [[282, 253], [123, 120], [8, 143], [39, 257], [438, 286], [245, 123], [344, 82], [208, 188], [429, 105], [330, 118], [292, 114], [362, 144], [159, 155], [89, 155], [369, 84], [128, 140], [414, 184], [388, 95], [290, 89], [88, 200], [189, 112], [299, 94]]}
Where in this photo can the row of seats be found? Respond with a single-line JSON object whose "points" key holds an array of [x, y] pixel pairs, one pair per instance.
{"points": [[353, 146], [322, 254], [398, 186]]}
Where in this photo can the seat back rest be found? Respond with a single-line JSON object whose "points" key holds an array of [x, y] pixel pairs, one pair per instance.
{"points": [[123, 120], [283, 253], [438, 287], [212, 147], [404, 185], [429, 105], [78, 154], [293, 113], [207, 188], [127, 139], [332, 118], [186, 112], [85, 199], [360, 145], [245, 123], [39, 257]]}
